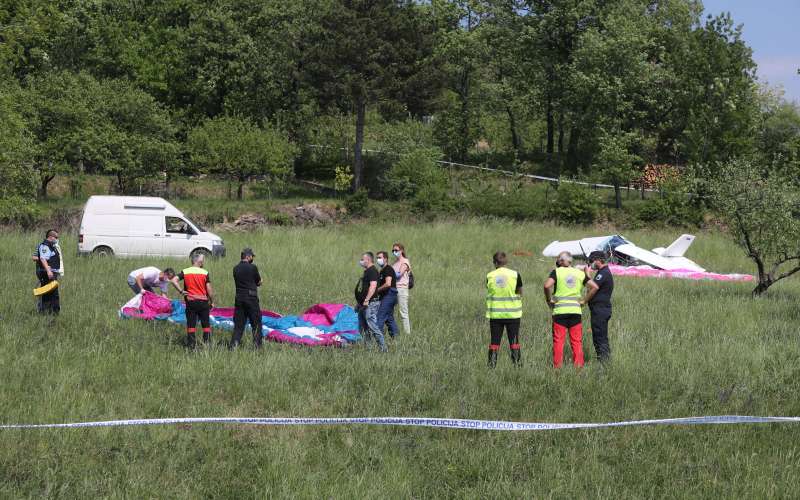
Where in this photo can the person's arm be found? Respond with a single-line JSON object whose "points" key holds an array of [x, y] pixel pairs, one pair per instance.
{"points": [[210, 294], [518, 291], [387, 283], [549, 283], [258, 278], [593, 288], [140, 280], [43, 260], [174, 283], [373, 286]]}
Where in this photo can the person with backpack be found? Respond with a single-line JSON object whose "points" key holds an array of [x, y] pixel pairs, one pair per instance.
{"points": [[405, 282]]}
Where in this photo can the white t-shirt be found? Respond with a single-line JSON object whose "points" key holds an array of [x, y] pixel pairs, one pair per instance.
{"points": [[149, 277]]}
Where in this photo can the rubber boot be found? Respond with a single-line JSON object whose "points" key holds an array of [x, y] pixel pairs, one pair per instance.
{"points": [[516, 357], [492, 358]]}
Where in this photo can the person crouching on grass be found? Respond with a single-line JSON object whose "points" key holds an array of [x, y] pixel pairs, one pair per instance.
{"points": [[503, 308], [566, 303], [150, 279]]}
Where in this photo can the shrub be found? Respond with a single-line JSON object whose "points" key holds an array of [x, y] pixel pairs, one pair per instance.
{"points": [[520, 203], [357, 203], [16, 211], [413, 171], [574, 203], [432, 198], [673, 207]]}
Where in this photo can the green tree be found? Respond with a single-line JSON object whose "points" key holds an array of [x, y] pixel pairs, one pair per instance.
{"points": [[615, 162], [762, 209], [238, 149], [363, 51]]}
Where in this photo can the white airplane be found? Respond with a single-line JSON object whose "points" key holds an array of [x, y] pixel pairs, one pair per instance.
{"points": [[626, 253]]}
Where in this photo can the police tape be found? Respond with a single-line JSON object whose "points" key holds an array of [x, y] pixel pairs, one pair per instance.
{"points": [[446, 423]]}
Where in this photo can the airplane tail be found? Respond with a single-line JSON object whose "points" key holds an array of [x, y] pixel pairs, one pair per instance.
{"points": [[678, 247]]}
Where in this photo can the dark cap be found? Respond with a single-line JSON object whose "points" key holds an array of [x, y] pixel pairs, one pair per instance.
{"points": [[248, 252], [597, 255]]}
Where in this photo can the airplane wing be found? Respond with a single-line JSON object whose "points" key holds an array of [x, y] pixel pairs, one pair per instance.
{"points": [[655, 260], [578, 248]]}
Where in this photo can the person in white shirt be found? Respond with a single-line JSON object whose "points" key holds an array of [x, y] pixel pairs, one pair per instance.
{"points": [[402, 269], [151, 278]]}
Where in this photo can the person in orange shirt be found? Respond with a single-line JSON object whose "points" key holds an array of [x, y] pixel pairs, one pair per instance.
{"points": [[199, 299]]}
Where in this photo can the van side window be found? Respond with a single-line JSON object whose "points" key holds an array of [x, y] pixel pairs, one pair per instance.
{"points": [[176, 225]]}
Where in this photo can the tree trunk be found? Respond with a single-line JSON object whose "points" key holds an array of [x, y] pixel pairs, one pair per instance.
{"points": [[512, 122], [44, 181], [617, 195], [572, 147], [550, 128], [764, 282], [358, 160], [240, 188], [560, 136], [120, 184]]}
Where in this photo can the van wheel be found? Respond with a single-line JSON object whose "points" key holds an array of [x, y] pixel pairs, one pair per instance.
{"points": [[103, 252], [200, 251]]}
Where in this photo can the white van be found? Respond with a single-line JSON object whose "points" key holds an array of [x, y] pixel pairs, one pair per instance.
{"points": [[133, 226]]}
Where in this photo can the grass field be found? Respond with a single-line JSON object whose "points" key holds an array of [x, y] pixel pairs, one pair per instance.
{"points": [[680, 349]]}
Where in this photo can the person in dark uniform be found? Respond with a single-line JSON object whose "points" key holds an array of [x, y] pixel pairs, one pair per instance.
{"points": [[387, 292], [247, 308], [48, 266], [599, 300]]}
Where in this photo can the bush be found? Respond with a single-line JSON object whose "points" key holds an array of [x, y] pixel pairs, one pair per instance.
{"points": [[574, 203], [412, 172], [520, 203], [673, 208], [432, 198], [16, 211], [357, 203]]}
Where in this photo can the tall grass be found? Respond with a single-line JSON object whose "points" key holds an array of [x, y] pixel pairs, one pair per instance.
{"points": [[680, 349]]}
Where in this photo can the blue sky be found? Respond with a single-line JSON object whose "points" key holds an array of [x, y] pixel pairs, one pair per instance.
{"points": [[771, 29]]}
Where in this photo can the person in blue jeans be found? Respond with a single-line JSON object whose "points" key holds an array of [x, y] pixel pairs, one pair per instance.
{"points": [[387, 291], [367, 301]]}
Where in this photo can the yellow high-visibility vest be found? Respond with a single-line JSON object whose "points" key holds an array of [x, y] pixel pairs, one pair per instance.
{"points": [[502, 301], [569, 287]]}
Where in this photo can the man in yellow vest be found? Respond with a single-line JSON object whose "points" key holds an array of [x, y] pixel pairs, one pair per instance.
{"points": [[503, 308], [563, 292]]}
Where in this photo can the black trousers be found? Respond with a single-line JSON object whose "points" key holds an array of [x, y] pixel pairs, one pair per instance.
{"points": [[600, 317], [49, 303], [198, 310], [246, 310], [511, 326]]}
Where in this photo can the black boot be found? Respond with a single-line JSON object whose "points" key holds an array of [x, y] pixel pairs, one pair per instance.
{"points": [[516, 356], [191, 343], [206, 337], [492, 358]]}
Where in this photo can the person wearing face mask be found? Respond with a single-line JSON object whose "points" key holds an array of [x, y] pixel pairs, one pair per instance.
{"points": [[599, 300], [387, 291], [48, 266], [367, 302], [402, 270]]}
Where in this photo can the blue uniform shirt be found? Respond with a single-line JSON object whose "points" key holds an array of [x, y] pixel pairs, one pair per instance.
{"points": [[45, 253]]}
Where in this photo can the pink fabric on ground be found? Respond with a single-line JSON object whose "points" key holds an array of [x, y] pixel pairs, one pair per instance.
{"points": [[227, 312], [687, 274], [322, 314], [150, 306], [321, 339]]}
